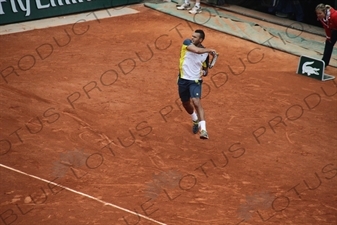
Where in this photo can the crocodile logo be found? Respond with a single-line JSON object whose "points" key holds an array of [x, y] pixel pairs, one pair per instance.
{"points": [[306, 69]]}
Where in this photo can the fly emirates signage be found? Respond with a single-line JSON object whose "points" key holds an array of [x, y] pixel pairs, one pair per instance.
{"points": [[27, 5], [12, 11]]}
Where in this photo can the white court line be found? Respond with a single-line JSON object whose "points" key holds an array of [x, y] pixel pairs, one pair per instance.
{"points": [[83, 194], [65, 20]]}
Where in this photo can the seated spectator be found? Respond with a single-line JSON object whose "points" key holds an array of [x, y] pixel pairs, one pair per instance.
{"points": [[288, 9]]}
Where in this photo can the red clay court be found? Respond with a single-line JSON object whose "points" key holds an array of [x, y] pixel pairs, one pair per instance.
{"points": [[92, 130]]}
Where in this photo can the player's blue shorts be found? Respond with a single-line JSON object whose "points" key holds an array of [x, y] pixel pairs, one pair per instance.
{"points": [[189, 89]]}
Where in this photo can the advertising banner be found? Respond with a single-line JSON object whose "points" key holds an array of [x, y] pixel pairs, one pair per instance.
{"points": [[13, 11]]}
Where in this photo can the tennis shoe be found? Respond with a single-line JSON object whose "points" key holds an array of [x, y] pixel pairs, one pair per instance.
{"points": [[203, 134], [195, 127], [184, 6], [195, 10]]}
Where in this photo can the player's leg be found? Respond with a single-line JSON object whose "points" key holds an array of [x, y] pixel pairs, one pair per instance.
{"points": [[185, 97], [195, 92], [328, 48]]}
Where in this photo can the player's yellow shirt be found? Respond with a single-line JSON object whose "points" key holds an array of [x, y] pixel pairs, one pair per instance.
{"points": [[191, 63]]}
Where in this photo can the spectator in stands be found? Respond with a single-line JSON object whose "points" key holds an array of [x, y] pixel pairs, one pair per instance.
{"points": [[288, 9], [328, 17]]}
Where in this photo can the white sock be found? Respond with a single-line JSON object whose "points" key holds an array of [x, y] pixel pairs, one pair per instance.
{"points": [[197, 4], [187, 2], [202, 125], [194, 116]]}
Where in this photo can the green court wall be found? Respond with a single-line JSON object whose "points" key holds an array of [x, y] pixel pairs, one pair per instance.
{"points": [[14, 11]]}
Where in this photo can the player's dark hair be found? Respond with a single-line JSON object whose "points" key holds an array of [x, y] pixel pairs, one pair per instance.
{"points": [[202, 33]]}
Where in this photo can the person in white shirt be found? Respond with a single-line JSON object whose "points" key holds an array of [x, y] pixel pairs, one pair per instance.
{"points": [[193, 65]]}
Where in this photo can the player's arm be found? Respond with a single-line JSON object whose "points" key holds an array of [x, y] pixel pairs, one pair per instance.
{"points": [[198, 50]]}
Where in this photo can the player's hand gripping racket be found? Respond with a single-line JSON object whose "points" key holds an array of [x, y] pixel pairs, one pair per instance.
{"points": [[214, 59]]}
